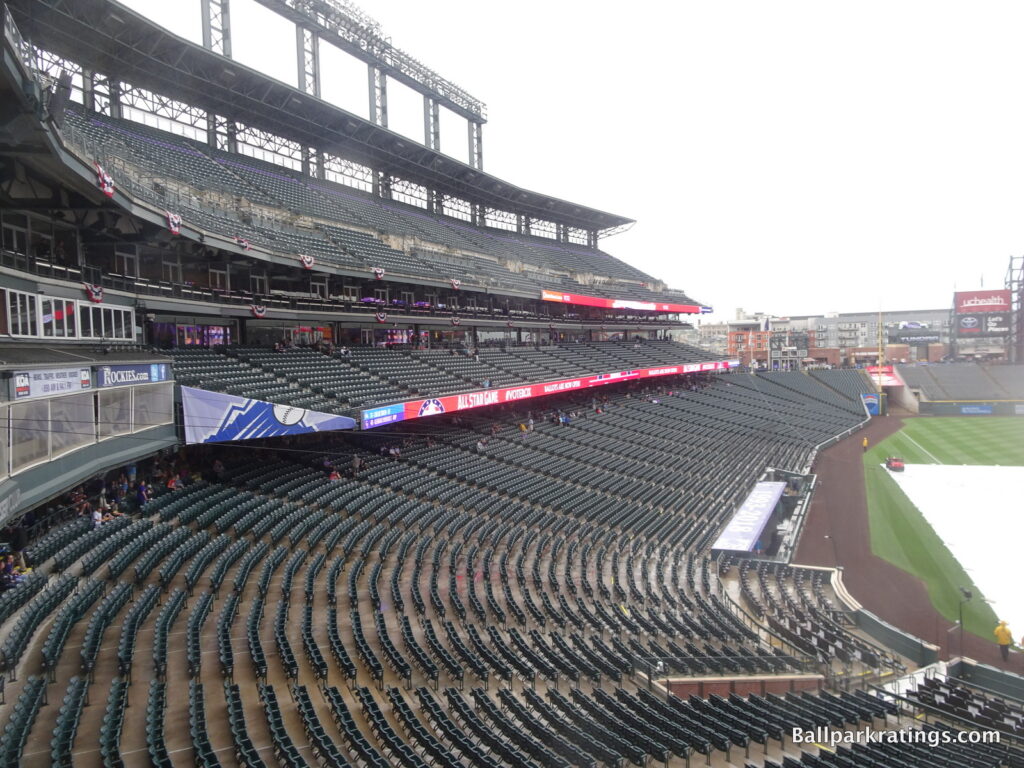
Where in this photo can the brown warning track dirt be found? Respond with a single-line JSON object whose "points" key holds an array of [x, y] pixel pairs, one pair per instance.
{"points": [[839, 509]]}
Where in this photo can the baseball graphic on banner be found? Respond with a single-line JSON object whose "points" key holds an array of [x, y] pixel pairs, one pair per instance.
{"points": [[288, 415]]}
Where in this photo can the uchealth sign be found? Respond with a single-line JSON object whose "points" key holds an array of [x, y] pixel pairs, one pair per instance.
{"points": [[415, 409], [974, 302]]}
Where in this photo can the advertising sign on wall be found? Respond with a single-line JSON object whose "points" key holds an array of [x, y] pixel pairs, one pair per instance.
{"points": [[46, 382], [884, 375], [915, 338], [215, 417], [974, 302], [976, 410], [870, 400], [124, 375], [989, 324]]}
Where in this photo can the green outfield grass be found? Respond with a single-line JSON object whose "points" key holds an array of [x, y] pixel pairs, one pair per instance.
{"points": [[984, 440], [901, 535]]}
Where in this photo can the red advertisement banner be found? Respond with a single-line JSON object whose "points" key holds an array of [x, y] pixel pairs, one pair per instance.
{"points": [[885, 375], [596, 301]]}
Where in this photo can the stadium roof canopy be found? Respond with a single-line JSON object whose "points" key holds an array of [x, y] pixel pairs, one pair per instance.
{"points": [[105, 36]]}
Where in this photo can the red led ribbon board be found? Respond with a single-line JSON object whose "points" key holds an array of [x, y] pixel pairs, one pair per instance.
{"points": [[432, 406], [596, 301]]}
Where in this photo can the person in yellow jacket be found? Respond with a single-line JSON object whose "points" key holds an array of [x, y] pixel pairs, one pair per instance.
{"points": [[864, 444], [1005, 639]]}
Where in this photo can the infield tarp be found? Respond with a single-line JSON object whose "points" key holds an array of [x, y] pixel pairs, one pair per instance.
{"points": [[216, 417], [743, 531], [971, 508]]}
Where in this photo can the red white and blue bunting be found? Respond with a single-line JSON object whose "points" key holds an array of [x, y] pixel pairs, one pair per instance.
{"points": [[106, 184], [378, 273], [307, 262], [173, 223], [258, 310], [456, 320], [242, 243], [456, 284], [94, 291], [382, 317]]}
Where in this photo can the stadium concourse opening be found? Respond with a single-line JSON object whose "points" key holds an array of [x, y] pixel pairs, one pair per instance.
{"points": [[508, 564]]}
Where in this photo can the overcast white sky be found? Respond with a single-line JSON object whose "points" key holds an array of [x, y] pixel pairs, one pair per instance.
{"points": [[791, 157]]}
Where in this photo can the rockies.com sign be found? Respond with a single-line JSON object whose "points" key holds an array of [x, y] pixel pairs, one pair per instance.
{"points": [[124, 375]]}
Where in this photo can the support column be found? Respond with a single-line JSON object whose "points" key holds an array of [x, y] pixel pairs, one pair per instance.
{"points": [[307, 49], [476, 145], [432, 140], [88, 92], [217, 26], [431, 124], [114, 92], [378, 82], [221, 133], [312, 163], [382, 185], [216, 19], [378, 91]]}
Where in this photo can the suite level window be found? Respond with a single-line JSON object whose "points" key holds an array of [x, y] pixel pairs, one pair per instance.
{"points": [[15, 233], [171, 271], [318, 287], [219, 279], [106, 322], [407, 297], [59, 319], [350, 293], [258, 284], [126, 264], [22, 319], [381, 293]]}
